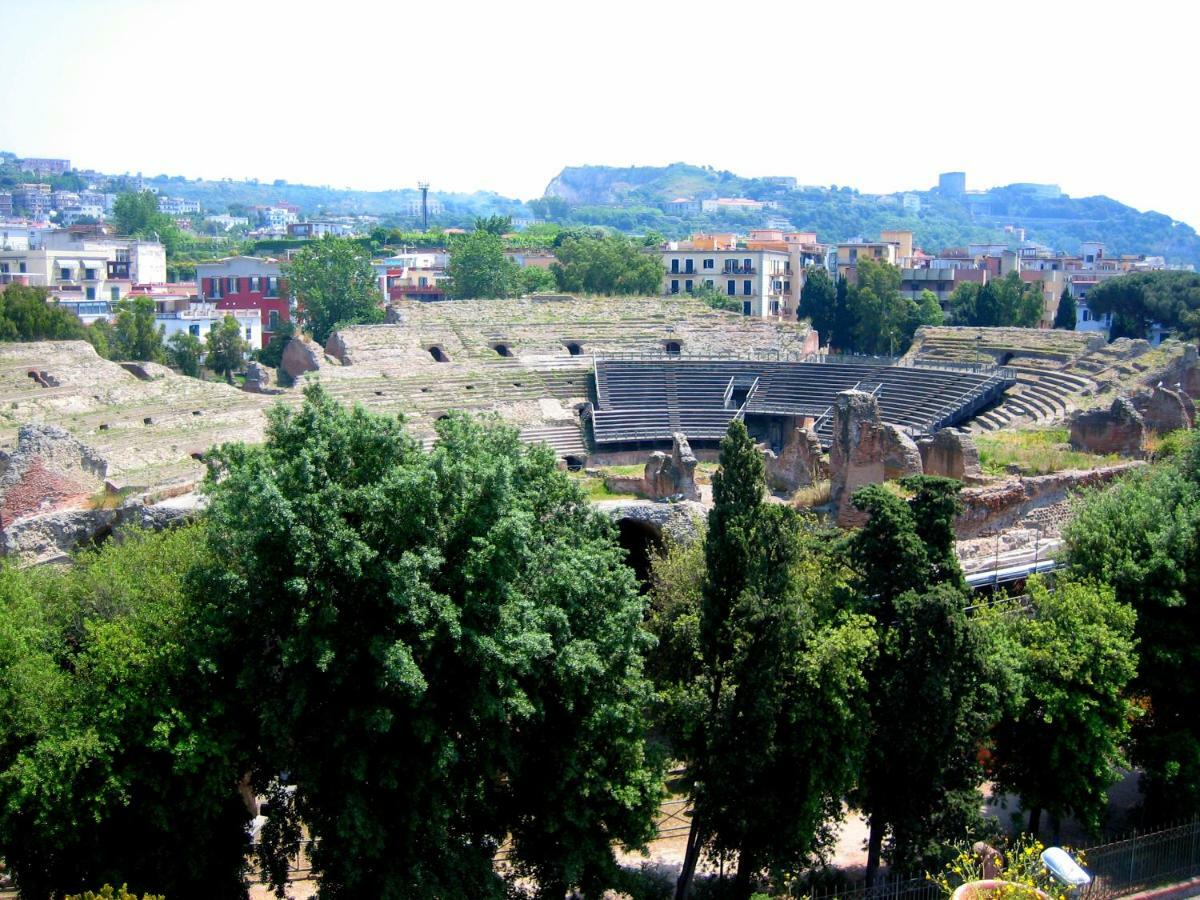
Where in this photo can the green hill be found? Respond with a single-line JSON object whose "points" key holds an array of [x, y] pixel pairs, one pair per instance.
{"points": [[634, 198]]}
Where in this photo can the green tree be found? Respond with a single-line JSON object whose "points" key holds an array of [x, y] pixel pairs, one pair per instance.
{"points": [[497, 225], [776, 678], [478, 267], [137, 215], [225, 349], [843, 319], [1065, 315], [1061, 747], [334, 285], [108, 773], [883, 319], [1141, 537], [137, 333], [932, 691], [272, 354], [929, 310], [1006, 301], [1139, 299], [185, 351], [818, 301], [29, 314], [443, 651], [606, 265], [535, 279]]}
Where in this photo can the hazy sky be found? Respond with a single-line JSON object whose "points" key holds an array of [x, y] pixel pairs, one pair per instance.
{"points": [[1099, 97]]}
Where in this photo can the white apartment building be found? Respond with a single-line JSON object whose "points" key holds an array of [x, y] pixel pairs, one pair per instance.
{"points": [[85, 267], [177, 206], [762, 280], [198, 319]]}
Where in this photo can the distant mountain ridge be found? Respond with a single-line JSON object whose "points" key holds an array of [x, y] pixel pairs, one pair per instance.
{"points": [[840, 213]]}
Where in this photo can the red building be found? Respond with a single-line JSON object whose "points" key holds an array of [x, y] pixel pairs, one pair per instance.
{"points": [[246, 282]]}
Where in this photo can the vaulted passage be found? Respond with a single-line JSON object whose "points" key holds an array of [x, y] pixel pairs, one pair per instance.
{"points": [[641, 542], [439, 354]]}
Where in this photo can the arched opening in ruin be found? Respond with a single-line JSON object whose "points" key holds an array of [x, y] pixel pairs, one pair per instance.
{"points": [[197, 412], [502, 349], [574, 463], [438, 354], [148, 421], [1005, 359], [673, 348], [641, 542], [574, 348]]}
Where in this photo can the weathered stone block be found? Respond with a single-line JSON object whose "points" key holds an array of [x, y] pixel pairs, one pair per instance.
{"points": [[1119, 429], [299, 356], [950, 453]]}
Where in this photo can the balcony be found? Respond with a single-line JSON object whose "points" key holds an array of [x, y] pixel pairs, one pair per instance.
{"points": [[740, 270], [118, 269]]}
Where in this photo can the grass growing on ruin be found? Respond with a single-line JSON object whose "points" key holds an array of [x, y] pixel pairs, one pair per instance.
{"points": [[1036, 451], [595, 489], [812, 495]]}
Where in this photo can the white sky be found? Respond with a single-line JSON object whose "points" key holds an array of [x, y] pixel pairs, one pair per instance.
{"points": [[1099, 97]]}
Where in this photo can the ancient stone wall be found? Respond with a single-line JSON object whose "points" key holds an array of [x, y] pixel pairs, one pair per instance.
{"points": [[800, 462], [1119, 429], [48, 470], [299, 356], [865, 451], [951, 453], [1163, 409]]}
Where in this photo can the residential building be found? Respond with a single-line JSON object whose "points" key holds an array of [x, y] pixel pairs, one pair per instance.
{"points": [[84, 265], [764, 281], [70, 215], [319, 229], [682, 206], [6, 204], [228, 223], [735, 204], [42, 166], [177, 206], [952, 184], [849, 253], [416, 275], [246, 282], [34, 199], [279, 216], [413, 208], [177, 315]]}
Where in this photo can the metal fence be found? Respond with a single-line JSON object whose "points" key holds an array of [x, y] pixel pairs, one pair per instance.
{"points": [[1143, 861]]}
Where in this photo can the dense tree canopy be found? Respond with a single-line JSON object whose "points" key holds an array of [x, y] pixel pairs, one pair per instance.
{"points": [[606, 265], [334, 284], [1065, 315], [442, 650], [137, 334], [224, 348], [771, 689], [29, 314], [185, 352], [932, 689], [106, 774], [1006, 301], [818, 300], [137, 215], [1061, 744], [1139, 299], [479, 269], [1142, 539]]}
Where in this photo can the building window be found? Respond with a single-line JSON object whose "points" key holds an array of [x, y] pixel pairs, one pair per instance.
{"points": [[746, 286], [708, 264], [688, 266], [272, 286], [249, 333], [747, 264], [674, 267], [674, 285], [64, 273], [273, 320], [231, 285], [91, 292], [115, 293], [194, 329], [687, 285], [255, 283], [731, 287], [21, 267], [89, 274], [708, 281]]}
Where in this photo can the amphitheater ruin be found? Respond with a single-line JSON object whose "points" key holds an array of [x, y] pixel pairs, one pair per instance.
{"points": [[633, 396]]}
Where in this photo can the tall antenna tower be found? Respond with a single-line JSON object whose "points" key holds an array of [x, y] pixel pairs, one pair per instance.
{"points": [[424, 188]]}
